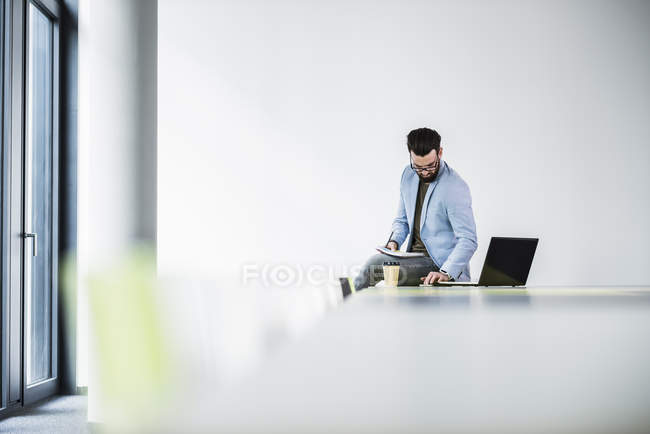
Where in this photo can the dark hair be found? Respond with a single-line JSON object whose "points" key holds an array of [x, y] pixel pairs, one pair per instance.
{"points": [[422, 140]]}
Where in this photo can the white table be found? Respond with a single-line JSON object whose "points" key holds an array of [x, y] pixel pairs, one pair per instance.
{"points": [[456, 360]]}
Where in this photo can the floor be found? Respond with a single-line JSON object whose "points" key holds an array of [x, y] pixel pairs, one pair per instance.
{"points": [[59, 414]]}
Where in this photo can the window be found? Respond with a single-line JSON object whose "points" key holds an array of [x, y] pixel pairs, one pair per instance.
{"points": [[30, 119], [38, 197]]}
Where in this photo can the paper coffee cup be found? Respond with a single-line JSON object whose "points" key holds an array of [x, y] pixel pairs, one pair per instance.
{"points": [[391, 273]]}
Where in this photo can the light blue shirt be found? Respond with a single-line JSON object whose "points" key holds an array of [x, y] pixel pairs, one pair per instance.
{"points": [[447, 227]]}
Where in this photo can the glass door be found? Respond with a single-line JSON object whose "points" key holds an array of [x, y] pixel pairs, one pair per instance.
{"points": [[29, 57], [40, 223]]}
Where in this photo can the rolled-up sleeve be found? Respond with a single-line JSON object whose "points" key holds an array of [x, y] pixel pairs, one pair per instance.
{"points": [[461, 218]]}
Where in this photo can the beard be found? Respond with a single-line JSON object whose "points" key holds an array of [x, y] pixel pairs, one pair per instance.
{"points": [[431, 177]]}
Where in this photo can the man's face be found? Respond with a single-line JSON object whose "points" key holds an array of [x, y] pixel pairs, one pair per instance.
{"points": [[427, 166]]}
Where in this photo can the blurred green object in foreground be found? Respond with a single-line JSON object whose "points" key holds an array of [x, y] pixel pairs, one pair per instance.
{"points": [[127, 339]]}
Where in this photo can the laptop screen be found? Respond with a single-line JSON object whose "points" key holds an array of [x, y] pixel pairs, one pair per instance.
{"points": [[508, 261]]}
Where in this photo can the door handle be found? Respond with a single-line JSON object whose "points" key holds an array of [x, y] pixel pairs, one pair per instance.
{"points": [[34, 238]]}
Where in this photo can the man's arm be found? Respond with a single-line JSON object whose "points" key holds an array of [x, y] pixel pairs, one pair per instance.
{"points": [[461, 217], [400, 225]]}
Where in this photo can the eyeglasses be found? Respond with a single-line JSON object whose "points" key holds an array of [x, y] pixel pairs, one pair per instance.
{"points": [[429, 168]]}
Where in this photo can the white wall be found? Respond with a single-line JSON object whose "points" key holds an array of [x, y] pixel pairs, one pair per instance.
{"points": [[282, 128]]}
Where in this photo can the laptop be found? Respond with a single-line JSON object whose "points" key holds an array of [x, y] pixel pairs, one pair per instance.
{"points": [[507, 263]]}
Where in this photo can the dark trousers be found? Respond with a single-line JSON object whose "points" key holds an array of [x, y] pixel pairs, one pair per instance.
{"points": [[410, 270]]}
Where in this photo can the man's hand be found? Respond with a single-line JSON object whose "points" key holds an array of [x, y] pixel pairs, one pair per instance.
{"points": [[392, 245], [434, 276]]}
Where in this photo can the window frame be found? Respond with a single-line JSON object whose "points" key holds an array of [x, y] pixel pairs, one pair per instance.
{"points": [[37, 391], [14, 394]]}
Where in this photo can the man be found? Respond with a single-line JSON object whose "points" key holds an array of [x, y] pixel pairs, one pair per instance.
{"points": [[435, 208]]}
